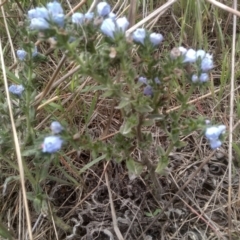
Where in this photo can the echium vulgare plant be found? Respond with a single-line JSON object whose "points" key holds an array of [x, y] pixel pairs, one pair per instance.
{"points": [[128, 70]]}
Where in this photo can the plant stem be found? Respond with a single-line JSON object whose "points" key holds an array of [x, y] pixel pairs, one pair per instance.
{"points": [[146, 161]]}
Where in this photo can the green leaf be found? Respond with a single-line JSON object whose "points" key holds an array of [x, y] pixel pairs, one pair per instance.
{"points": [[87, 166], [128, 124], [9, 180], [134, 167], [162, 164], [5, 233], [123, 103], [237, 150]]}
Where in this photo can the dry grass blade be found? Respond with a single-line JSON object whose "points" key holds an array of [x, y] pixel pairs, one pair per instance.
{"points": [[17, 146], [114, 217], [150, 16], [224, 7], [231, 124]]}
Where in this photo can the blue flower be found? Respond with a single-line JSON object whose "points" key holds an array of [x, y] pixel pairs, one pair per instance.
{"points": [[103, 9], [139, 35], [77, 18], [21, 54], [156, 38], [156, 80], [35, 52], [122, 24], [39, 24], [215, 144], [108, 27], [38, 12], [89, 16], [200, 54], [54, 8], [52, 144], [190, 56], [56, 127], [213, 133], [142, 80], [207, 63], [195, 78], [112, 15], [204, 77], [148, 91], [58, 19], [16, 89]]}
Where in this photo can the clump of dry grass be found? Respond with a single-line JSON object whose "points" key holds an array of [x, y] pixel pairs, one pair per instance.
{"points": [[102, 202]]}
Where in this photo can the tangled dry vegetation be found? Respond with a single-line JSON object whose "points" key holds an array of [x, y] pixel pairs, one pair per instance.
{"points": [[199, 211]]}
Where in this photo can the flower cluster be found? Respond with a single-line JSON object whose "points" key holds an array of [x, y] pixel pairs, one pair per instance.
{"points": [[148, 90], [200, 57], [21, 53], [213, 134], [140, 36], [41, 16], [16, 89], [52, 144]]}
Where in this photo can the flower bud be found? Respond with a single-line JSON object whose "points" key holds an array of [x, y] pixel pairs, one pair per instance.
{"points": [[207, 64], [52, 144], [103, 9], [89, 16], [190, 56], [156, 38], [108, 27], [204, 77], [148, 91], [21, 54], [77, 18], [122, 24], [38, 24], [56, 127], [16, 89], [54, 8], [139, 35]]}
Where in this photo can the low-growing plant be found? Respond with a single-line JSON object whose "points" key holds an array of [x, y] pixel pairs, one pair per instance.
{"points": [[130, 72]]}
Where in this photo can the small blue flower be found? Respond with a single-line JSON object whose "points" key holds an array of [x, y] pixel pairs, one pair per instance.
{"points": [[89, 16], [21, 54], [108, 27], [112, 15], [35, 52], [139, 35], [148, 91], [54, 8], [56, 127], [156, 80], [200, 54], [215, 144], [156, 38], [39, 24], [183, 50], [142, 80], [77, 18], [103, 9], [38, 12], [195, 78], [58, 19], [207, 63], [16, 89], [52, 144], [122, 24], [213, 133], [204, 77], [190, 56]]}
